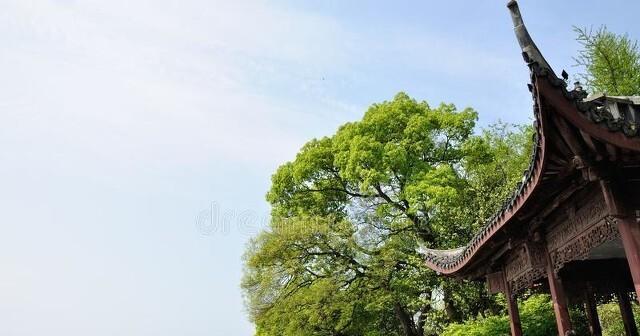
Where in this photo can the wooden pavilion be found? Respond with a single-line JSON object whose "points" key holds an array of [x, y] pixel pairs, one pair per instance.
{"points": [[572, 227]]}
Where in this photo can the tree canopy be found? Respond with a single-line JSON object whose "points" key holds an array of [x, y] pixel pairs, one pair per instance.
{"points": [[611, 61], [350, 213]]}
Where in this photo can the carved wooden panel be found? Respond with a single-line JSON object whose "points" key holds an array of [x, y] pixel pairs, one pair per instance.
{"points": [[495, 283], [576, 223], [536, 254], [526, 279], [579, 247], [568, 238], [517, 263], [525, 266], [581, 230]]}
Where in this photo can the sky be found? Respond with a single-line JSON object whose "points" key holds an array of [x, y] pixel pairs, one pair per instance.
{"points": [[138, 137]]}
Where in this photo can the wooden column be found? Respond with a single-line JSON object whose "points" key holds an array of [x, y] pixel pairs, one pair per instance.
{"points": [[629, 231], [627, 314], [560, 306], [630, 235], [591, 310], [512, 308]]}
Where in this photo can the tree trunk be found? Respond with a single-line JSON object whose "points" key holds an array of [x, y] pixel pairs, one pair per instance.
{"points": [[452, 312], [408, 326], [422, 319]]}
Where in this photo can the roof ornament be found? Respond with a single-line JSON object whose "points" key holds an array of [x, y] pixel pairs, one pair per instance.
{"points": [[578, 91], [530, 51]]}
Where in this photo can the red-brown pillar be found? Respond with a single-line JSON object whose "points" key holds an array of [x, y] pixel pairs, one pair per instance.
{"points": [[627, 314], [512, 308], [629, 231], [592, 312], [560, 306], [630, 235]]}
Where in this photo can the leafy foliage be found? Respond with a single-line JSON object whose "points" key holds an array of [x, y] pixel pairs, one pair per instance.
{"points": [[489, 326], [611, 318], [350, 212], [612, 62], [536, 314]]}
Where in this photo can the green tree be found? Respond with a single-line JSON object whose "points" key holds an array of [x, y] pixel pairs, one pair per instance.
{"points": [[350, 212], [611, 62], [536, 313], [611, 318]]}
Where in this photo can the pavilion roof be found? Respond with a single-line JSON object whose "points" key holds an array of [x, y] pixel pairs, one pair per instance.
{"points": [[612, 119]]}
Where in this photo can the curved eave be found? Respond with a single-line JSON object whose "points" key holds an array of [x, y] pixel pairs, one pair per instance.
{"points": [[455, 260], [545, 85]]}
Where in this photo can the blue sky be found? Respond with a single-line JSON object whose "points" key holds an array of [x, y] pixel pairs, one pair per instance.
{"points": [[138, 137]]}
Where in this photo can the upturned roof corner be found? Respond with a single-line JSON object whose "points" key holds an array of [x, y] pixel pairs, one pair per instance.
{"points": [[530, 51], [600, 126]]}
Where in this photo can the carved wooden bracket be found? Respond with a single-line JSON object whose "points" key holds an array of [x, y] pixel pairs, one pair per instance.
{"points": [[495, 283], [526, 265]]}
